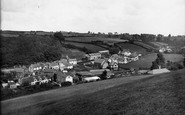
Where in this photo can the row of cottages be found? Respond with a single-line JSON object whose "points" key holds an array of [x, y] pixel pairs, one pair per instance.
{"points": [[167, 48], [61, 64], [35, 67], [123, 59], [32, 80]]}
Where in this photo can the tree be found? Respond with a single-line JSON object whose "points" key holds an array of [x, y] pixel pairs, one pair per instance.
{"points": [[59, 36], [160, 61], [154, 65], [159, 37], [55, 77], [103, 75]]}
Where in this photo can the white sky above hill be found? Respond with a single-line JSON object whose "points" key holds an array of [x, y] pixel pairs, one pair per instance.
{"points": [[122, 16]]}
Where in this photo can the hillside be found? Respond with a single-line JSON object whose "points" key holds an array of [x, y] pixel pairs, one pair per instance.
{"points": [[159, 94]]}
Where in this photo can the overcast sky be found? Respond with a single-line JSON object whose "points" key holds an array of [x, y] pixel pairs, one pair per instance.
{"points": [[122, 16]]}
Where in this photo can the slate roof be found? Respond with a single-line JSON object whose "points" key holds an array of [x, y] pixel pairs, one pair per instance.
{"points": [[27, 79], [99, 61], [72, 59], [61, 74], [11, 83], [36, 65], [48, 70], [53, 64]]}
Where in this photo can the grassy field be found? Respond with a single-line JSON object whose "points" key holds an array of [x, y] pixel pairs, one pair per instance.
{"points": [[132, 48], [160, 94], [73, 53], [91, 47], [89, 39], [159, 44], [145, 45], [146, 61]]}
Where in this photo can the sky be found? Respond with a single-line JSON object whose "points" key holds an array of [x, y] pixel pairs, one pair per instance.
{"points": [[122, 16]]}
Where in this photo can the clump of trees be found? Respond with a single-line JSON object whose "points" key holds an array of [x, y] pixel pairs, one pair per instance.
{"points": [[59, 36], [159, 62], [174, 65]]}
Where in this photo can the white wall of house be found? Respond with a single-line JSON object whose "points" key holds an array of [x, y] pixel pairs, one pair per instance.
{"points": [[4, 84], [69, 79]]}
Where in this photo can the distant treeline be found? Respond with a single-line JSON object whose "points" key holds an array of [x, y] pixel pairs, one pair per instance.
{"points": [[24, 50], [171, 40]]}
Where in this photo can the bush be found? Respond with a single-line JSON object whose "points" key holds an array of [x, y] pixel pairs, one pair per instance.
{"points": [[6, 93], [64, 84], [174, 66]]}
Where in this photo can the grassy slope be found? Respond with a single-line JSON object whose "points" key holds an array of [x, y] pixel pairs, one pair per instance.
{"points": [[161, 94], [91, 47], [146, 61], [132, 48]]}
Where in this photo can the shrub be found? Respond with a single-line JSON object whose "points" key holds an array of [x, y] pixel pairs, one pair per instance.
{"points": [[66, 84]]}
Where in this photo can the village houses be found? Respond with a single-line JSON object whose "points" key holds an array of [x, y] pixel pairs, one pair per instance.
{"points": [[93, 56]]}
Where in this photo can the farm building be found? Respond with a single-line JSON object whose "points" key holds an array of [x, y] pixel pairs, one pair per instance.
{"points": [[96, 72], [158, 71], [142, 71], [12, 85], [30, 80], [104, 51]]}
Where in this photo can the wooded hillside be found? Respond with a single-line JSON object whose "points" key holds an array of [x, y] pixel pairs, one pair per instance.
{"points": [[24, 50]]}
